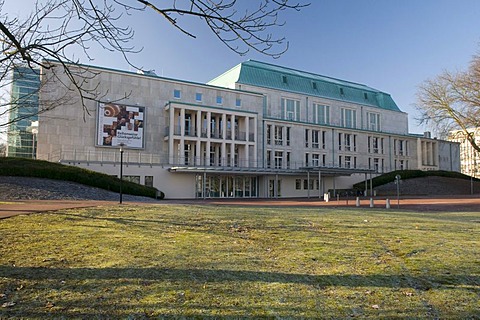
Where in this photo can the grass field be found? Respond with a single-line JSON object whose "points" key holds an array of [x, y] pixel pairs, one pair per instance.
{"points": [[187, 261]]}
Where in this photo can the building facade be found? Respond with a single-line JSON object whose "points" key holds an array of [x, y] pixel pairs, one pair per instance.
{"points": [[469, 157], [22, 112], [258, 130]]}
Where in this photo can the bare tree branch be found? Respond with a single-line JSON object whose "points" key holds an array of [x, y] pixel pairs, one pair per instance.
{"points": [[54, 27], [452, 102]]}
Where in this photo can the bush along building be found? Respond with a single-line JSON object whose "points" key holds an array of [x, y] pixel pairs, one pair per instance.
{"points": [[258, 130]]}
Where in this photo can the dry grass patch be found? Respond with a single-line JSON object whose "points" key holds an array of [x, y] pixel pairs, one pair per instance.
{"points": [[220, 261]]}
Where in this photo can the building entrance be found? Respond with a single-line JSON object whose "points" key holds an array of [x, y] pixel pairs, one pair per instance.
{"points": [[226, 186]]}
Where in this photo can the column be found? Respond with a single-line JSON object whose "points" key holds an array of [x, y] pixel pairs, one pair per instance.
{"points": [[232, 127], [198, 151], [171, 133], [209, 126], [199, 124], [255, 143], [182, 137]]}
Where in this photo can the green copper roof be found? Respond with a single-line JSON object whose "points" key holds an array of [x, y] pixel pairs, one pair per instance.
{"points": [[266, 75]]}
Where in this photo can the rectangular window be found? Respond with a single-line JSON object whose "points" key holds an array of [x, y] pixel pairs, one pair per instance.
{"points": [[291, 109], [340, 141], [135, 179], [177, 94], [212, 156], [288, 136], [288, 160], [315, 139], [376, 164], [269, 134], [324, 139], [307, 159], [306, 137], [348, 162], [278, 159], [321, 114], [373, 121], [269, 159], [198, 97], [298, 184], [305, 184], [340, 161], [219, 100], [348, 142], [149, 181], [375, 145], [238, 102], [349, 118], [278, 135], [315, 160]]}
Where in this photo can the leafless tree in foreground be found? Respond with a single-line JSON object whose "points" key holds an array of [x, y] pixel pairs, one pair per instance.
{"points": [[54, 27], [451, 101]]}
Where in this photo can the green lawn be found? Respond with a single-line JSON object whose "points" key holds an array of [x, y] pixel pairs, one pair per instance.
{"points": [[224, 261]]}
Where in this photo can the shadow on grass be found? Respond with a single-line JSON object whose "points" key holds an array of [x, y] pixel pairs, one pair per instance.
{"points": [[469, 282]]}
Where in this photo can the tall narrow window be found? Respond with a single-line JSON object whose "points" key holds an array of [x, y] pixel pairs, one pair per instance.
{"points": [[306, 137], [349, 118], [288, 136], [291, 109], [278, 135], [315, 139], [278, 159], [321, 114], [269, 134], [348, 142], [373, 121]]}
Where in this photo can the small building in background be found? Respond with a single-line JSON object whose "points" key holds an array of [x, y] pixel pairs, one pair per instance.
{"points": [[22, 107], [469, 157]]}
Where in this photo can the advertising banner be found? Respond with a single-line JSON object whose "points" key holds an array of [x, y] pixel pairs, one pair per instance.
{"points": [[120, 124]]}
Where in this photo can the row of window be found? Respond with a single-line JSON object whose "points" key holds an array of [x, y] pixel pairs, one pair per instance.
{"points": [[177, 94], [275, 159], [346, 141], [290, 110], [313, 185]]}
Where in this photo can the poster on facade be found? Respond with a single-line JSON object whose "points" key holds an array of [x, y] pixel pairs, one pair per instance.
{"points": [[120, 124]]}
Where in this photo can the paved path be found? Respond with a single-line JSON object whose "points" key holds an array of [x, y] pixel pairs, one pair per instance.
{"points": [[453, 204]]}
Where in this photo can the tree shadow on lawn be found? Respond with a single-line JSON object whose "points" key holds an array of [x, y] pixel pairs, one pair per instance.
{"points": [[464, 281]]}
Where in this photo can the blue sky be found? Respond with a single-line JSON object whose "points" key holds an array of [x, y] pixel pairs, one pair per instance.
{"points": [[389, 45]]}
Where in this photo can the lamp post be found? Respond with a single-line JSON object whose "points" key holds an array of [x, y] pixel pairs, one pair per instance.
{"points": [[397, 182], [121, 171]]}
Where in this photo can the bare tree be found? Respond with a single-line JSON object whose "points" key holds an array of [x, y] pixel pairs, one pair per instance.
{"points": [[451, 101], [54, 27]]}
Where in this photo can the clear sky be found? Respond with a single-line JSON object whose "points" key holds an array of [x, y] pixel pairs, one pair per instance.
{"points": [[390, 45]]}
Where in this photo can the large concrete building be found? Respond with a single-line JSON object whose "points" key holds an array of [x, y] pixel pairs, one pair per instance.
{"points": [[258, 130]]}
